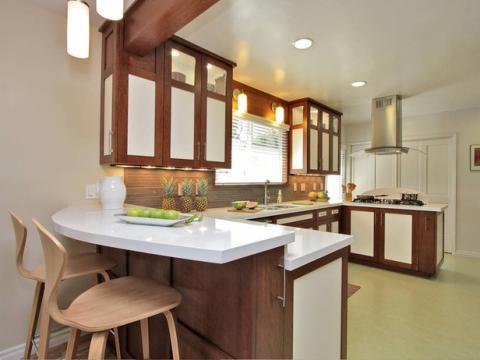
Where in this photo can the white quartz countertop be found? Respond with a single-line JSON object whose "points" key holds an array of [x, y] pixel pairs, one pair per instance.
{"points": [[311, 245], [427, 207], [223, 213], [211, 240]]}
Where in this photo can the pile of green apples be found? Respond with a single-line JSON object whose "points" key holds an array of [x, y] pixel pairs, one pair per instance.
{"points": [[154, 213]]}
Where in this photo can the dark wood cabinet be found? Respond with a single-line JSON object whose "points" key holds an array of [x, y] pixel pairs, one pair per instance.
{"points": [[314, 138], [403, 240], [172, 107]]}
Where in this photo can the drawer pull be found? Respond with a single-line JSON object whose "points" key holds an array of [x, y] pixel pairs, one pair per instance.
{"points": [[334, 212], [322, 214]]}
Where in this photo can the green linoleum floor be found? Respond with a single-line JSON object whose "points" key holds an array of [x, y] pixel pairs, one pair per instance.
{"points": [[397, 316]]}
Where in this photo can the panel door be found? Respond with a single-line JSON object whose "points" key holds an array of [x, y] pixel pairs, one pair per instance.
{"points": [[362, 227], [398, 238], [182, 106], [216, 133]]}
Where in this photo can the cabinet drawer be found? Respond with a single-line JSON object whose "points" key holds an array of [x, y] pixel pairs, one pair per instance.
{"points": [[294, 219]]}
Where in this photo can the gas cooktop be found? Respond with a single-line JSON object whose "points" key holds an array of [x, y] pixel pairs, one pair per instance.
{"points": [[369, 199]]}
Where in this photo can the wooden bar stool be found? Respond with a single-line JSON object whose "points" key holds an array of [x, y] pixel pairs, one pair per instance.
{"points": [[78, 265], [107, 305]]}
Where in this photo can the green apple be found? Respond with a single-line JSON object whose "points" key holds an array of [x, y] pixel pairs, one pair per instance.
{"points": [[133, 212], [145, 213], [158, 214], [172, 215]]}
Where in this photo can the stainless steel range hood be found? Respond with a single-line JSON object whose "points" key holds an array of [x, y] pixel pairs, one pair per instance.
{"points": [[387, 126]]}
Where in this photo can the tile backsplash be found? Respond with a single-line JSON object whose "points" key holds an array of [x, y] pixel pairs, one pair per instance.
{"points": [[144, 187]]}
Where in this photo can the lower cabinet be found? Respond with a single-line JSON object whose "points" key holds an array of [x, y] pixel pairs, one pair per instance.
{"points": [[327, 220], [317, 313], [395, 239]]}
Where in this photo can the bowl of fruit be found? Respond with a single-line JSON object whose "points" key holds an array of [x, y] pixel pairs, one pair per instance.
{"points": [[158, 217]]}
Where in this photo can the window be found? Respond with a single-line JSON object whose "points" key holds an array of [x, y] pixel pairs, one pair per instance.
{"points": [[259, 152], [334, 182]]}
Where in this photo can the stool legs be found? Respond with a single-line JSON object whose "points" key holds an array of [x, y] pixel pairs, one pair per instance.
{"points": [[44, 332], [97, 345], [32, 326], [117, 344], [72, 344], [173, 334], [145, 340]]}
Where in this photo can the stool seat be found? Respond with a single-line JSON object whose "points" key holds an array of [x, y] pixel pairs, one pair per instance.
{"points": [[79, 265], [119, 302]]}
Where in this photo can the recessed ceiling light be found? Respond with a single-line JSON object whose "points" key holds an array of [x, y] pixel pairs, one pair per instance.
{"points": [[359, 83], [303, 43]]}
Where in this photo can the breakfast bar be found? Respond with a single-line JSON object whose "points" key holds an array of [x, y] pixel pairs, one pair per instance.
{"points": [[250, 289]]}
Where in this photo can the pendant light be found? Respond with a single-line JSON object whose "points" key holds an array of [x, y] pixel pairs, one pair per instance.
{"points": [[110, 9], [78, 29]]}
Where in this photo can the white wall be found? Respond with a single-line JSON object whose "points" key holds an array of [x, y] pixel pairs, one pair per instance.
{"points": [[49, 131], [466, 124]]}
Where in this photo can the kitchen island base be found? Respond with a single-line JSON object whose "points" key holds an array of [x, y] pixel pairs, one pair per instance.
{"points": [[247, 308]]}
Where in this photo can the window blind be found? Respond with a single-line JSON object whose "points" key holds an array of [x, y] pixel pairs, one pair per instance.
{"points": [[259, 153]]}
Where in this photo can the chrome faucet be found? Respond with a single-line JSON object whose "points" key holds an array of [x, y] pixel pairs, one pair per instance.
{"points": [[266, 193]]}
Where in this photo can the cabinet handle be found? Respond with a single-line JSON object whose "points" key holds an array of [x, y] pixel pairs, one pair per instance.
{"points": [[281, 298], [110, 135], [198, 150]]}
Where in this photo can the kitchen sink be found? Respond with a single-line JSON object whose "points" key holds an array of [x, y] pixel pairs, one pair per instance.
{"points": [[280, 207]]}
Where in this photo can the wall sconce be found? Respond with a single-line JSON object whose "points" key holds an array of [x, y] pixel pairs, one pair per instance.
{"points": [[242, 101], [78, 29], [279, 111]]}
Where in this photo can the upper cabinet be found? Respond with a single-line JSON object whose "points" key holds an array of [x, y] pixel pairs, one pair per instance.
{"points": [[314, 138], [172, 107]]}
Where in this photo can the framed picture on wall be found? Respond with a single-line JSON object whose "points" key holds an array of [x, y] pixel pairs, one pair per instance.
{"points": [[475, 157]]}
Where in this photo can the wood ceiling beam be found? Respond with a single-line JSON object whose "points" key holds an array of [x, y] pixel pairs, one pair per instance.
{"points": [[148, 23]]}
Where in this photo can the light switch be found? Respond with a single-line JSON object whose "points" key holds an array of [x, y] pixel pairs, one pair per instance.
{"points": [[91, 191], [302, 187]]}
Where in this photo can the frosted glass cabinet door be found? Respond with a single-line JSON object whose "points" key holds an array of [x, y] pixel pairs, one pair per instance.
{"points": [[297, 149], [107, 116], [215, 144], [141, 117], [313, 149], [335, 153], [182, 124], [325, 151]]}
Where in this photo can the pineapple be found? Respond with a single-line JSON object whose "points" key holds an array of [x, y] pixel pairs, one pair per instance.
{"points": [[168, 186], [201, 201], [186, 204]]}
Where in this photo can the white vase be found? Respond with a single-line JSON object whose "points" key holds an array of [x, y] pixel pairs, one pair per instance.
{"points": [[112, 192]]}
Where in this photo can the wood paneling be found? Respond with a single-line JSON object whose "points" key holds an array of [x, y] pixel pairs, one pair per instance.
{"points": [[150, 22]]}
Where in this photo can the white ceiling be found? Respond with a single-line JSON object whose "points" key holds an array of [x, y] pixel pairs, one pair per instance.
{"points": [[426, 50]]}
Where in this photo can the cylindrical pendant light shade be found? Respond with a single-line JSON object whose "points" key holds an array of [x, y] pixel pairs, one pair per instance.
{"points": [[110, 9], [242, 105], [78, 29], [279, 114]]}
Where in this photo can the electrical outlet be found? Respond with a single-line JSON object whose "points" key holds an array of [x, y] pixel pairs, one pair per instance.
{"points": [[180, 190], [302, 187], [295, 187], [91, 191], [314, 186]]}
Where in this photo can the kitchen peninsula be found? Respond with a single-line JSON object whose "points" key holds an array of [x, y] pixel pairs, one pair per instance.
{"points": [[250, 289]]}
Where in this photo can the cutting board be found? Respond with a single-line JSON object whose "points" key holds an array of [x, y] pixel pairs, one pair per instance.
{"points": [[247, 211]]}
